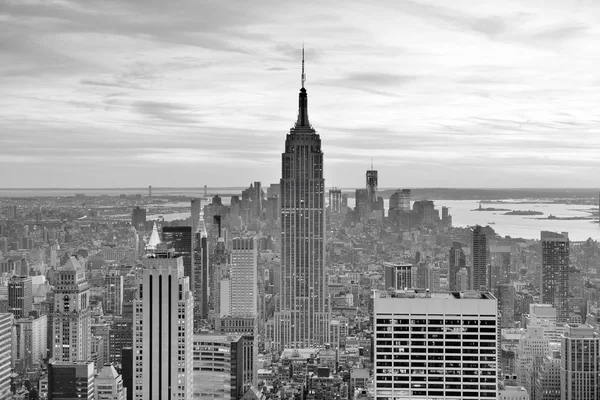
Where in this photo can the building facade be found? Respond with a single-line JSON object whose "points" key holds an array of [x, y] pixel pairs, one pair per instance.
{"points": [[20, 298], [71, 325], [6, 341], [435, 345], [163, 329], [71, 380], [479, 273], [579, 363]]}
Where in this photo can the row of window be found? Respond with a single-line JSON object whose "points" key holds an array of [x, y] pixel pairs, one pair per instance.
{"points": [[467, 322]]}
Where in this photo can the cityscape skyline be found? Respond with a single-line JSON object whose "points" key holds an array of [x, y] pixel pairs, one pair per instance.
{"points": [[205, 87]]}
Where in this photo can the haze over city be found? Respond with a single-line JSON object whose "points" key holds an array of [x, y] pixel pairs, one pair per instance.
{"points": [[452, 94]]}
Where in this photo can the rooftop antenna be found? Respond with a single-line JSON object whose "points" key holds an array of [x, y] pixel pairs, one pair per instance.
{"points": [[371, 164], [303, 76]]}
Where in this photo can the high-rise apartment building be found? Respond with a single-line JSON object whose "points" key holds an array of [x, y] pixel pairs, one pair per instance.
{"points": [[457, 260], [20, 298], [361, 203], [163, 329], [398, 276], [480, 260], [435, 345], [71, 380], [303, 318], [579, 368], [71, 326], [6, 341], [554, 278]]}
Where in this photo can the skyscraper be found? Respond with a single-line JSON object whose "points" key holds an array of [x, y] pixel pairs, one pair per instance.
{"points": [[435, 345], [113, 296], [20, 299], [579, 363], [163, 329], [71, 330], [479, 269], [196, 207], [554, 283], [244, 278], [457, 260], [371, 186], [303, 316], [200, 286]]}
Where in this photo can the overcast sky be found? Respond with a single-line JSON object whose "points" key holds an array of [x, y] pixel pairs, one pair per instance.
{"points": [[130, 93]]}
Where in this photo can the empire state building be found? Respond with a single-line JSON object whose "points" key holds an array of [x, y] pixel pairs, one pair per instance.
{"points": [[302, 319]]}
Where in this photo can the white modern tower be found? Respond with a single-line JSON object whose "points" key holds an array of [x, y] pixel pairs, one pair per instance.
{"points": [[435, 345]]}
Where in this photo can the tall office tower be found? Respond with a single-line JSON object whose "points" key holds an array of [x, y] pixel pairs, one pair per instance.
{"points": [[244, 278], [533, 348], [163, 330], [71, 380], [554, 283], [304, 317], [113, 296], [500, 266], [361, 199], [480, 260], [506, 305], [138, 217], [335, 201], [544, 315], [398, 276], [31, 345], [6, 339], [435, 345], [20, 298], [219, 366], [547, 381], [109, 384], [579, 367], [457, 260], [71, 330], [202, 275], [371, 181]]}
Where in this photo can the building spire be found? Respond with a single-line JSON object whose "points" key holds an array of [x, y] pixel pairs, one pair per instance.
{"points": [[303, 101], [303, 76]]}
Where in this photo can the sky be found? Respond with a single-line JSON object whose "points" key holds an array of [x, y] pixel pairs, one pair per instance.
{"points": [[187, 93]]}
